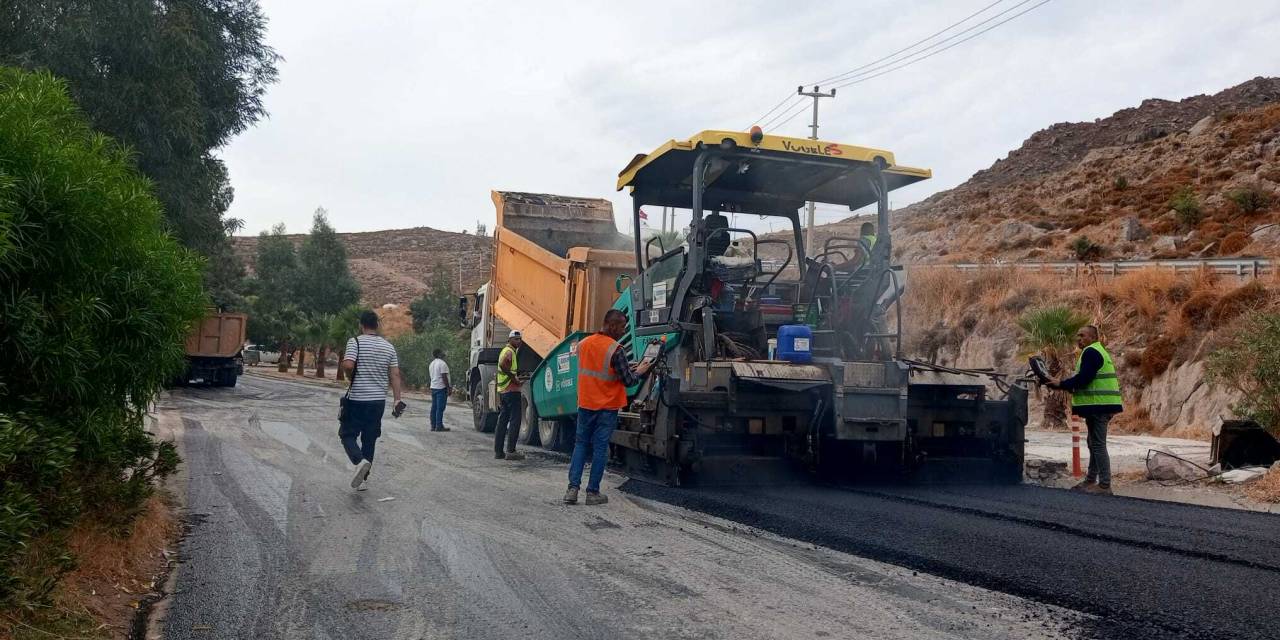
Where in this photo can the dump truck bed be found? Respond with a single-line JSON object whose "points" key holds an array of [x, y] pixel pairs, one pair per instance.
{"points": [[555, 262], [218, 335]]}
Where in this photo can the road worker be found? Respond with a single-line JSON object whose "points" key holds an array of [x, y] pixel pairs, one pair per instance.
{"points": [[604, 374], [511, 411], [1095, 397]]}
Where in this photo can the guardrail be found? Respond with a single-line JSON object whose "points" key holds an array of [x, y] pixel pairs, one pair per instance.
{"points": [[1245, 268]]}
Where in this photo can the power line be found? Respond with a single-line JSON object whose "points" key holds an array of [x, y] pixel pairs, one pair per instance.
{"points": [[793, 111], [954, 44], [911, 46], [790, 96], [925, 52]]}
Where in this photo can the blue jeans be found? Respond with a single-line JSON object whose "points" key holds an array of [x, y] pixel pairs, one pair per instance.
{"points": [[594, 430], [361, 429], [439, 398]]}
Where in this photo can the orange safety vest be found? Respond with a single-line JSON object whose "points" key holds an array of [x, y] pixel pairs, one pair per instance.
{"points": [[599, 385]]}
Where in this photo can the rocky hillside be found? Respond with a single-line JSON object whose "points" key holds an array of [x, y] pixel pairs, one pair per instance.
{"points": [[1197, 177], [398, 265]]}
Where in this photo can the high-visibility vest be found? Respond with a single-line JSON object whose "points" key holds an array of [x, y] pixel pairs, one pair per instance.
{"points": [[599, 385], [1104, 390], [870, 239], [504, 380]]}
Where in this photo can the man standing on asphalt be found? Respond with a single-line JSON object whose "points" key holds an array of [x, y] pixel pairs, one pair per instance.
{"points": [[370, 361], [603, 377], [509, 383], [439, 370], [1096, 397]]}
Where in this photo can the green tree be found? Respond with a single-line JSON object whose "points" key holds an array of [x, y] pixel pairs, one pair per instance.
{"points": [[438, 306], [344, 326], [414, 351], [174, 80], [324, 284], [1249, 363], [272, 311], [1050, 332], [95, 302]]}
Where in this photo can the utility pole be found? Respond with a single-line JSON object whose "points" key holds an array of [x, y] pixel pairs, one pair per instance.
{"points": [[815, 94]]}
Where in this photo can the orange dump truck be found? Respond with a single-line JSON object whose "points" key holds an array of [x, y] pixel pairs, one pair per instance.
{"points": [[214, 350], [556, 259]]}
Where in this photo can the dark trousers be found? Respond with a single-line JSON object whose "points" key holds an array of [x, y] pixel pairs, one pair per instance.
{"points": [[439, 398], [508, 421], [361, 429], [1099, 461]]}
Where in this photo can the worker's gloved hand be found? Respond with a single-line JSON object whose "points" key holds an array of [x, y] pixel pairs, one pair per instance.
{"points": [[398, 409]]}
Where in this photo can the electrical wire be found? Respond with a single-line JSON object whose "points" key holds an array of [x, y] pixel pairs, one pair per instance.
{"points": [[790, 115], [872, 68], [954, 44], [911, 46], [789, 97]]}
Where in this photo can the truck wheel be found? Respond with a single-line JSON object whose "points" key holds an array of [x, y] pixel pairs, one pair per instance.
{"points": [[229, 380], [557, 435], [529, 422], [485, 420]]}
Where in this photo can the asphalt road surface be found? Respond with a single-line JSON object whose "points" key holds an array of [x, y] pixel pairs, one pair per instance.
{"points": [[449, 543]]}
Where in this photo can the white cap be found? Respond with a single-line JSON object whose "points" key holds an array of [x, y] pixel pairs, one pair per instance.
{"points": [[515, 333]]}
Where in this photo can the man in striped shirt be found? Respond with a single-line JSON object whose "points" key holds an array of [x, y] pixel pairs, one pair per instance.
{"points": [[371, 362]]}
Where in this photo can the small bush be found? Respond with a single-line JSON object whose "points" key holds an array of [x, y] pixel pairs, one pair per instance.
{"points": [[1187, 207], [1249, 363], [1085, 249], [1157, 357], [1120, 183], [1249, 199]]}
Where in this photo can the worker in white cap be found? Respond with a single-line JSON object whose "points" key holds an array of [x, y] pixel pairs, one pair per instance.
{"points": [[510, 379]]}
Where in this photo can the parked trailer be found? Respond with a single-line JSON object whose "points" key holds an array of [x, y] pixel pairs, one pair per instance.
{"points": [[214, 350], [556, 259]]}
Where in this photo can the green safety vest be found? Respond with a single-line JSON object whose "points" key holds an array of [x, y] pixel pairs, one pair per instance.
{"points": [[871, 243], [1104, 390], [504, 380]]}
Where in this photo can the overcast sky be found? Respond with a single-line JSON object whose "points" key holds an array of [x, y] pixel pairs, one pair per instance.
{"points": [[403, 113]]}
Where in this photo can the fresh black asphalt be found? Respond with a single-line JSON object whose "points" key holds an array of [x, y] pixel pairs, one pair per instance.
{"points": [[1146, 569]]}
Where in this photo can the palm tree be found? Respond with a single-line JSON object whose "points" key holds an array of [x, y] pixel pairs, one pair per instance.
{"points": [[1051, 333], [283, 323], [344, 326], [318, 334]]}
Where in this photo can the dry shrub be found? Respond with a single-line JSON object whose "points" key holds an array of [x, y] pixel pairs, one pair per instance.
{"points": [[1157, 357], [1247, 297], [1195, 311], [1266, 488], [1233, 243], [1136, 420], [1146, 290]]}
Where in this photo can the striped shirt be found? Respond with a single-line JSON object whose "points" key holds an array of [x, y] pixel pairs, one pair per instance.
{"points": [[375, 358]]}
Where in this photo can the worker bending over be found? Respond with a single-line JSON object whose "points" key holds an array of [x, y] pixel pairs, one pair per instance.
{"points": [[1096, 397], [603, 377]]}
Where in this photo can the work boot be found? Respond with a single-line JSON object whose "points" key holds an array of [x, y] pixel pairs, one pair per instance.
{"points": [[596, 498], [1083, 485], [498, 455], [515, 455], [1099, 489], [571, 496], [443, 429]]}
